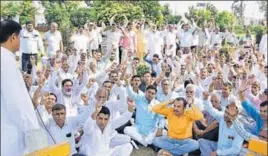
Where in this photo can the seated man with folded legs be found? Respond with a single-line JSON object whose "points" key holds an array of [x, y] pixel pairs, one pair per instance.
{"points": [[180, 123], [100, 129]]}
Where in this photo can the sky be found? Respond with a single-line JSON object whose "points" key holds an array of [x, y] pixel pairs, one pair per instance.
{"points": [[251, 10]]}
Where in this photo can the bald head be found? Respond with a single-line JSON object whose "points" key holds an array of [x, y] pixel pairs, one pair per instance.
{"points": [[53, 26], [215, 100]]}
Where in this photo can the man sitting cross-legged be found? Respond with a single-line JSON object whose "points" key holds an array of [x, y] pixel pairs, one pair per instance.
{"points": [[180, 123], [100, 129]]}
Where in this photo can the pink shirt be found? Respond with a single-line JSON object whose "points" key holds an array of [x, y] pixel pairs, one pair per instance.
{"points": [[129, 41]]}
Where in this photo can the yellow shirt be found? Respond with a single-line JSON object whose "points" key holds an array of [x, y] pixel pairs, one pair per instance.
{"points": [[179, 127]]}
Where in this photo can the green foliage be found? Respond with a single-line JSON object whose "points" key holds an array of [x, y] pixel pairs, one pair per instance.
{"points": [[212, 8], [168, 17], [174, 19], [141, 69], [152, 10], [28, 12], [80, 17], [58, 13], [104, 10], [259, 30], [10, 9], [224, 19], [202, 16], [239, 29]]}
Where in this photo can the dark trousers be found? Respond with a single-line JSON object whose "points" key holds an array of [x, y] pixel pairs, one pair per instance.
{"points": [[26, 61]]}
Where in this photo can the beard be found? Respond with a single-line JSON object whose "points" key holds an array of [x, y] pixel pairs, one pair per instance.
{"points": [[67, 93]]}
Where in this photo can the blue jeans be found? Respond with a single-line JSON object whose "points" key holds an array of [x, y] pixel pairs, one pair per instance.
{"points": [[176, 147], [207, 146]]}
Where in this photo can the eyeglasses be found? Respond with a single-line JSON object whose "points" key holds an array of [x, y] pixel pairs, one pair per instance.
{"points": [[189, 92]]}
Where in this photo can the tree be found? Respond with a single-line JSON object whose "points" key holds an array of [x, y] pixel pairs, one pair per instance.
{"points": [[259, 30], [263, 7], [27, 13], [56, 12], [201, 16], [80, 17], [212, 8], [104, 10], [174, 19], [168, 17], [9, 9], [152, 10], [238, 8], [224, 19]]}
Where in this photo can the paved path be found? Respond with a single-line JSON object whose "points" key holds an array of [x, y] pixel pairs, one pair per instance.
{"points": [[143, 151]]}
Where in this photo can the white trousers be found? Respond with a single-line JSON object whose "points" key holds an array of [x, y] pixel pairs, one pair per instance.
{"points": [[122, 150], [134, 134], [119, 139]]}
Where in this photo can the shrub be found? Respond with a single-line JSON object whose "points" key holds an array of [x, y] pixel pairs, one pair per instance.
{"points": [[141, 69], [259, 30], [80, 17]]}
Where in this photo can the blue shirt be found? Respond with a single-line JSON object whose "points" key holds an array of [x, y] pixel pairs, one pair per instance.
{"points": [[255, 114], [230, 142], [146, 121]]}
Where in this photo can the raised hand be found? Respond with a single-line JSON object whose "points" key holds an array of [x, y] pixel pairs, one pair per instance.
{"points": [[84, 98], [41, 81], [205, 95], [127, 77], [99, 105], [90, 82]]}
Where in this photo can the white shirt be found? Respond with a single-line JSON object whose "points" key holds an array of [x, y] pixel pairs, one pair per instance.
{"points": [[216, 38], [185, 37], [53, 40], [70, 126], [95, 142], [195, 40], [230, 37], [93, 35], [203, 37], [30, 42], [155, 41], [69, 102], [81, 42], [113, 37], [17, 112]]}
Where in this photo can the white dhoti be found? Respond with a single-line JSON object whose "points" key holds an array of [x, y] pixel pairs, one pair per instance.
{"points": [[134, 134], [119, 139], [122, 150]]}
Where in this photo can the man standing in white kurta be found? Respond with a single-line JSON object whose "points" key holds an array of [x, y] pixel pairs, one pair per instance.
{"points": [[53, 40], [155, 42], [18, 118]]}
